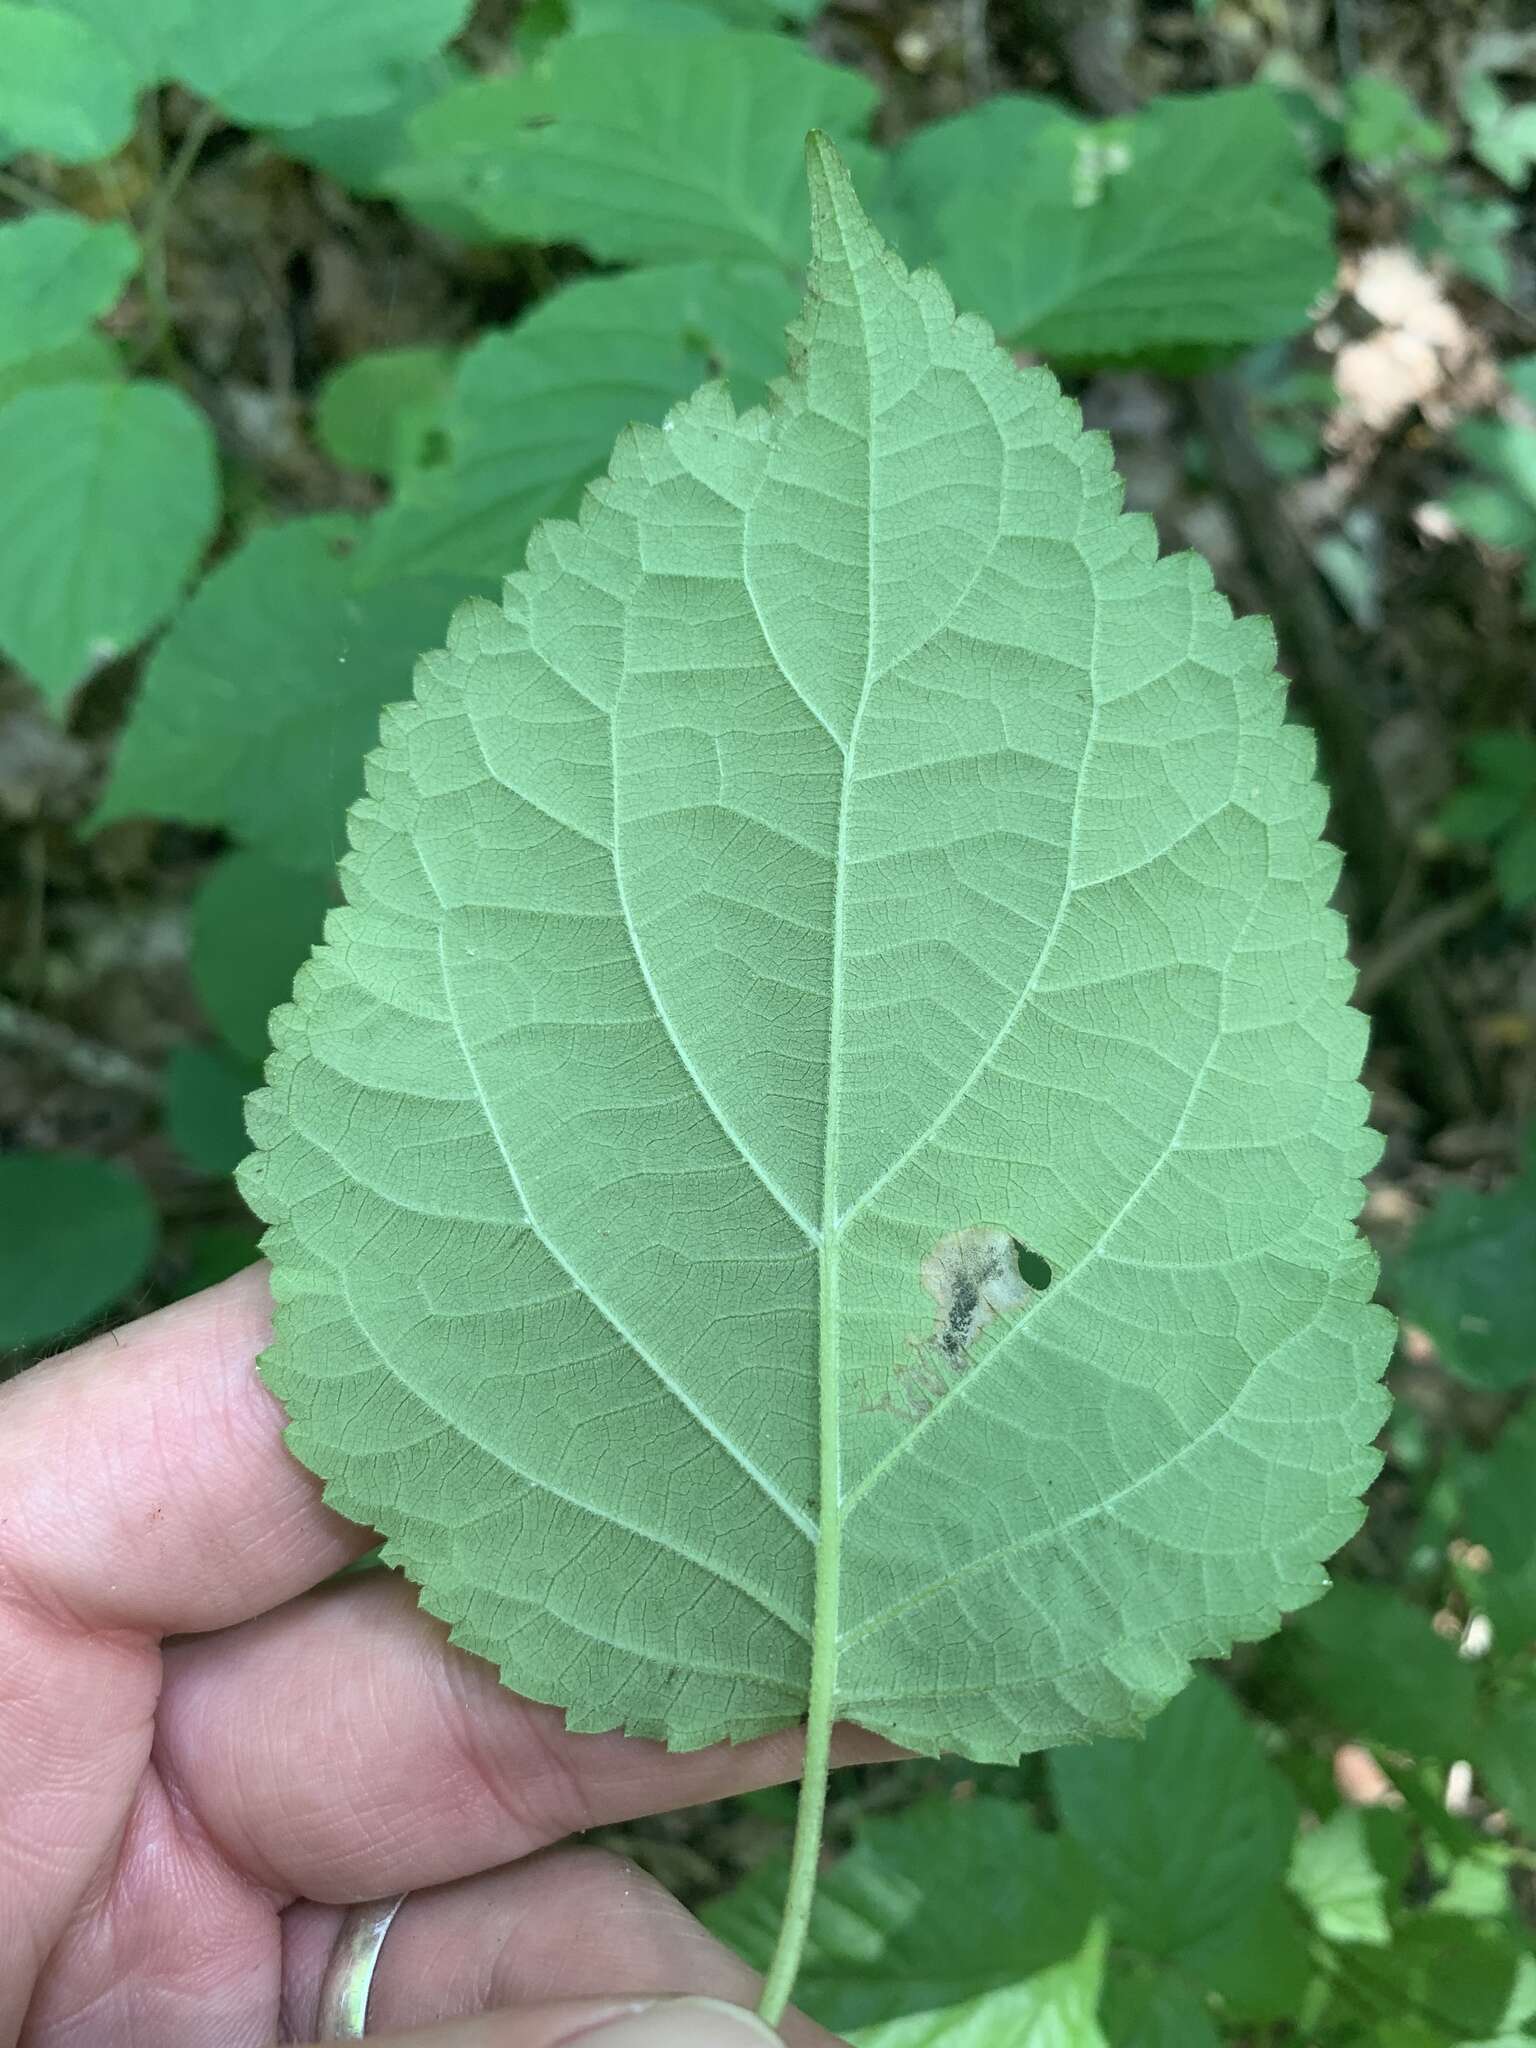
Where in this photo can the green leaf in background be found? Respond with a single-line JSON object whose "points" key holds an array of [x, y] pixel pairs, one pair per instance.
{"points": [[379, 412], [145, 33], [57, 272], [64, 89], [1372, 1663], [1333, 1875], [1468, 1277], [284, 63], [1188, 1828], [932, 1907], [89, 359], [108, 495], [533, 412], [684, 17], [1503, 1749], [641, 148], [850, 809], [1193, 224], [205, 1091], [1151, 2008], [1056, 2009], [253, 924], [1385, 127], [360, 150], [282, 657], [75, 1235], [1498, 1511]]}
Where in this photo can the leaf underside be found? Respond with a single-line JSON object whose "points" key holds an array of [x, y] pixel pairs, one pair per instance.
{"points": [[847, 856]]}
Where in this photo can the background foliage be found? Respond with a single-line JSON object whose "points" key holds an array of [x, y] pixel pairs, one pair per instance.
{"points": [[295, 350]]}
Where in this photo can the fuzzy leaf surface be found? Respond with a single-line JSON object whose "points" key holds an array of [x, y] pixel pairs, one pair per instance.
{"points": [[847, 861]]}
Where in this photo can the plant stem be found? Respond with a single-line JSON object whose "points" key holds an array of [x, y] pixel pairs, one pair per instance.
{"points": [[158, 224], [805, 1856]]}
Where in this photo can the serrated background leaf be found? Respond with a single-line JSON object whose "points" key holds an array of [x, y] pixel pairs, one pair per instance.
{"points": [[109, 494], [641, 148], [533, 412], [281, 655], [1193, 224], [1189, 1829], [752, 911], [927, 1910], [75, 1234], [57, 272], [1056, 2009]]}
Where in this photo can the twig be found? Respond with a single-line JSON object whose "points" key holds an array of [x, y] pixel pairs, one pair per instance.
{"points": [[157, 224], [976, 48], [83, 1059], [1421, 935]]}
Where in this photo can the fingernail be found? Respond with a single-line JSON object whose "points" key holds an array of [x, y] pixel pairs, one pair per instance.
{"points": [[682, 2023]]}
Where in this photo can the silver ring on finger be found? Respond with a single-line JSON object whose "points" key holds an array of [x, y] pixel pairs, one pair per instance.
{"points": [[349, 1971]]}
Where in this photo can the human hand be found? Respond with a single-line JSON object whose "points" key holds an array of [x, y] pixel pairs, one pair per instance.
{"points": [[183, 1822]]}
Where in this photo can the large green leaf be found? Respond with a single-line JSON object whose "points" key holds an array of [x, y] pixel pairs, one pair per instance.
{"points": [[57, 272], [75, 1234], [1056, 2009], [848, 871], [64, 88], [534, 411], [287, 62], [1192, 225], [642, 148], [256, 708], [108, 495], [932, 1907], [1188, 1829]]}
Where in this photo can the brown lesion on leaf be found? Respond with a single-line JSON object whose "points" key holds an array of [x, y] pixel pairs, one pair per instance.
{"points": [[973, 1276]]}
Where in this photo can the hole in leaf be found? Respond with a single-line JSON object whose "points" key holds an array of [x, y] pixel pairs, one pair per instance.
{"points": [[1034, 1268]]}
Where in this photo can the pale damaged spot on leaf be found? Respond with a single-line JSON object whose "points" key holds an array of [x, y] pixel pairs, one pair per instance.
{"points": [[974, 1276]]}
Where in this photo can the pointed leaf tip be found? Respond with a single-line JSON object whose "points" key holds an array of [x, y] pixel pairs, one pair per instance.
{"points": [[837, 218]]}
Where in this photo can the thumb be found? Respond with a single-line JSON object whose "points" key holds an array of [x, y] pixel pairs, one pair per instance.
{"points": [[605, 2023]]}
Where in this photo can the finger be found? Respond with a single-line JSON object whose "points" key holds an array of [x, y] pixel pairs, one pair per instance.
{"points": [[342, 1748], [669, 2023], [145, 1482], [574, 1923]]}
